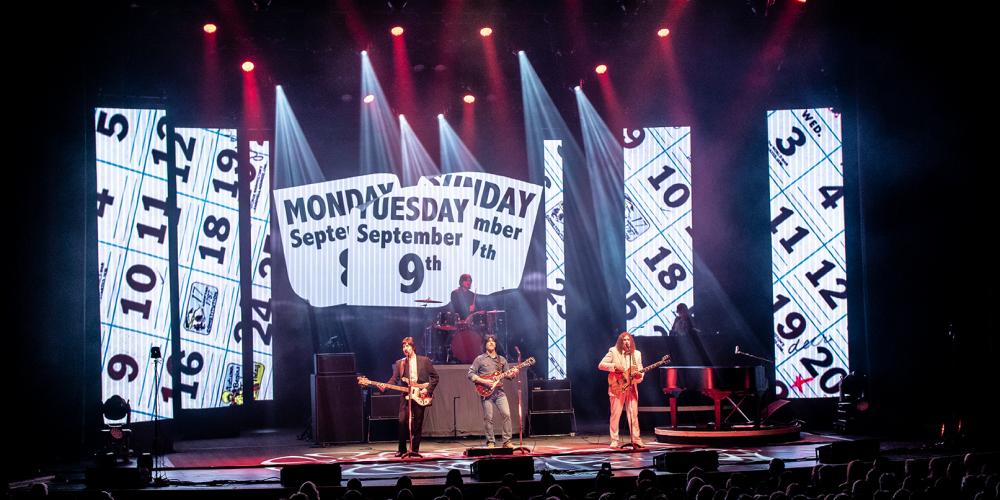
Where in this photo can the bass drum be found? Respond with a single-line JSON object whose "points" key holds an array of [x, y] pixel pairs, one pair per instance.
{"points": [[466, 344]]}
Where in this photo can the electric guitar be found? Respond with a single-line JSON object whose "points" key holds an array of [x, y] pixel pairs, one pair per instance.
{"points": [[497, 377], [412, 393], [621, 382]]}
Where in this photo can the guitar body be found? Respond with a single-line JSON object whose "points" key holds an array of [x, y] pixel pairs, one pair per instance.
{"points": [[485, 391], [497, 378], [620, 383], [414, 395]]}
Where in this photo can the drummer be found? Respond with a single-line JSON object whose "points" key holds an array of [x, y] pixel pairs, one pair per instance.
{"points": [[463, 299]]}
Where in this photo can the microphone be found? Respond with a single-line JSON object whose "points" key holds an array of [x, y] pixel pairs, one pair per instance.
{"points": [[737, 349], [518, 350]]}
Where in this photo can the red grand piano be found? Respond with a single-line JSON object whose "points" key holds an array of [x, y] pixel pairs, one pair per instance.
{"points": [[716, 382]]}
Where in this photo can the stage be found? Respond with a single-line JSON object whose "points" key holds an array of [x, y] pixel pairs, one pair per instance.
{"points": [[253, 462]]}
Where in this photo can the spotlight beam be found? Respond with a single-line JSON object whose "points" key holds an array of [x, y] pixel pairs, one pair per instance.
{"points": [[294, 161], [455, 157], [380, 142], [606, 165], [416, 162]]}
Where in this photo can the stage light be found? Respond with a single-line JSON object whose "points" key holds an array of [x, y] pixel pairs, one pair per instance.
{"points": [[369, 99], [662, 32], [601, 69], [247, 66], [210, 28], [396, 31], [117, 435], [486, 31], [440, 116], [469, 98]]}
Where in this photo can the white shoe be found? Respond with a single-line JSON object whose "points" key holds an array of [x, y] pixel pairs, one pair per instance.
{"points": [[614, 444]]}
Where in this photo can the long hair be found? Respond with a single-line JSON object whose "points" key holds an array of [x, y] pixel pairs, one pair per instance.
{"points": [[621, 340]]}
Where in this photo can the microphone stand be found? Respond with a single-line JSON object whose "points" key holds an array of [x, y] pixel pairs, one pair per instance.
{"points": [[409, 423], [756, 423], [747, 354], [520, 419], [630, 445]]}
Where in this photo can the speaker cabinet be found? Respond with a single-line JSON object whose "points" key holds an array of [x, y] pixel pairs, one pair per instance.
{"points": [[551, 400], [683, 461], [844, 452], [292, 476], [493, 469], [337, 409], [552, 423], [334, 364]]}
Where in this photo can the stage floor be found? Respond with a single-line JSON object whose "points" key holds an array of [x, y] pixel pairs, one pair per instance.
{"points": [[259, 455]]}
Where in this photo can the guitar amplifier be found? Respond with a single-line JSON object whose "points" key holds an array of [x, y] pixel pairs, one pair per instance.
{"points": [[384, 406], [543, 400], [334, 364]]}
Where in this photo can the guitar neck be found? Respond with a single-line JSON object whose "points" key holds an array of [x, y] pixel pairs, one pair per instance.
{"points": [[527, 362], [652, 366], [389, 386]]}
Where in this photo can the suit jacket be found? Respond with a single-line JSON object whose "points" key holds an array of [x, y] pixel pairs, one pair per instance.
{"points": [[614, 359], [426, 374]]}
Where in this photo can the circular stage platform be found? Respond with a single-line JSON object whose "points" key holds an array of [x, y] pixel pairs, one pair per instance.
{"points": [[737, 434]]}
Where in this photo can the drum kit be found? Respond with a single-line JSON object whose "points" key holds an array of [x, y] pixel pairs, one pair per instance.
{"points": [[452, 340]]}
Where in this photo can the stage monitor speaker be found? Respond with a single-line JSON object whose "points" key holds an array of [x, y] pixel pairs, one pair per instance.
{"points": [[493, 469], [843, 452], [487, 452], [552, 424], [118, 477], [334, 364], [337, 409], [551, 400], [683, 461], [292, 476], [384, 406]]}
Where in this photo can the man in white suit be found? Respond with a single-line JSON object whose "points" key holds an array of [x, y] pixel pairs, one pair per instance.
{"points": [[623, 363]]}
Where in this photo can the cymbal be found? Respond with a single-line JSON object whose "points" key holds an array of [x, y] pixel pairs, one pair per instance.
{"points": [[428, 301], [495, 311], [445, 328]]}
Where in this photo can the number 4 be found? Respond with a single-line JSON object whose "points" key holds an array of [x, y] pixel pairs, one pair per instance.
{"points": [[831, 195]]}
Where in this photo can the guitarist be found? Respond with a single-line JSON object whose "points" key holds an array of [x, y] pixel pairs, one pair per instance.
{"points": [[412, 370], [490, 363], [623, 360]]}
